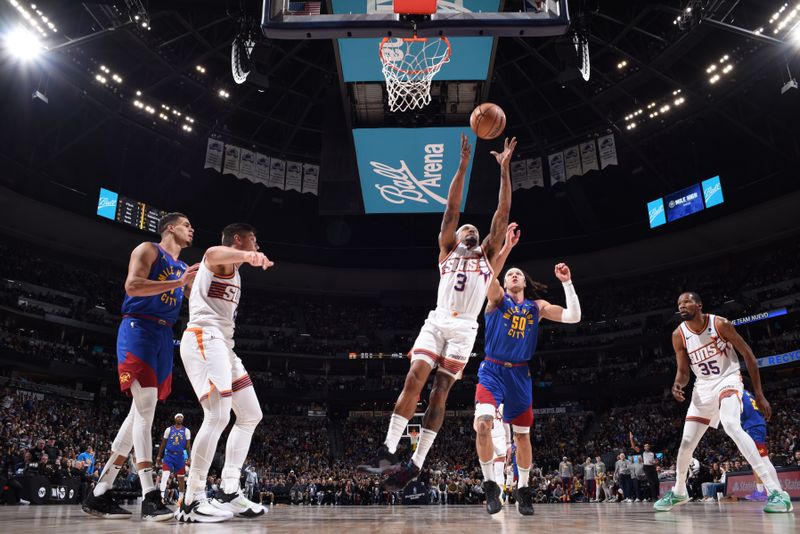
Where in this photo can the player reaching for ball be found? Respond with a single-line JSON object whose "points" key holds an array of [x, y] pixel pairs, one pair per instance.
{"points": [[466, 269], [512, 316]]}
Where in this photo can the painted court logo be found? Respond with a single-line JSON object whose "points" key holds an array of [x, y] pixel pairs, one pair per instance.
{"points": [[401, 185]]}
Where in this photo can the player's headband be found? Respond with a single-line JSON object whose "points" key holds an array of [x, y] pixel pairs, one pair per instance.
{"points": [[178, 415]]}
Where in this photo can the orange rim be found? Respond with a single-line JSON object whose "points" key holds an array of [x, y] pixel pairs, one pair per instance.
{"points": [[445, 59]]}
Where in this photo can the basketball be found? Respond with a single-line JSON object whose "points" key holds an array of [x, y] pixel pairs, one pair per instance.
{"points": [[488, 120]]}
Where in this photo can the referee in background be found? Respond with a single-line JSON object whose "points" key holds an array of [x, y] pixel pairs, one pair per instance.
{"points": [[649, 461]]}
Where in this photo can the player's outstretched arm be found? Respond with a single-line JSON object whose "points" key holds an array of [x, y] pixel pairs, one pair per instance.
{"points": [[682, 357], [728, 333], [137, 283], [495, 293], [572, 313], [447, 233], [161, 446], [222, 255], [491, 244]]}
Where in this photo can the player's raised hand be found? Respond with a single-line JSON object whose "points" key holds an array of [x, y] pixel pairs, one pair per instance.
{"points": [[466, 148], [504, 157], [258, 259], [763, 406], [189, 274], [512, 235], [677, 392], [562, 272]]}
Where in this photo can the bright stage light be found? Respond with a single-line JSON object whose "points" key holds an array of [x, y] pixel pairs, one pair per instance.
{"points": [[23, 44]]}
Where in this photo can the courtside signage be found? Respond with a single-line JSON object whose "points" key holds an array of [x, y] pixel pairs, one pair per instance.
{"points": [[470, 55], [409, 170]]}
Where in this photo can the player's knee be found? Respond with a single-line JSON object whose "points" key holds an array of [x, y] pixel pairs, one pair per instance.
{"points": [[415, 379], [483, 426], [250, 418]]}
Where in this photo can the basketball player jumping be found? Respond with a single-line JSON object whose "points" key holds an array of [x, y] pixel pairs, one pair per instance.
{"points": [[466, 268], [710, 346], [176, 441], [154, 292], [219, 378], [512, 326]]}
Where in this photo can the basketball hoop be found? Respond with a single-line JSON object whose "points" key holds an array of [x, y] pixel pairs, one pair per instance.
{"points": [[409, 65]]}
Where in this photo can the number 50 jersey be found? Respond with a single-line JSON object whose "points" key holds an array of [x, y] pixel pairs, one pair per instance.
{"points": [[512, 330], [710, 355]]}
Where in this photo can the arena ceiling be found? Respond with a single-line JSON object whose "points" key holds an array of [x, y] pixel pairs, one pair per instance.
{"points": [[90, 133]]}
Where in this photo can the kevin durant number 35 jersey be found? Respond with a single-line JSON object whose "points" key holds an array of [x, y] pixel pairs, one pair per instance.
{"points": [[214, 300], [710, 356], [465, 278]]}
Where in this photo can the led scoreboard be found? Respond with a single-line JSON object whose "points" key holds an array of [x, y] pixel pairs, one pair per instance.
{"points": [[128, 211]]}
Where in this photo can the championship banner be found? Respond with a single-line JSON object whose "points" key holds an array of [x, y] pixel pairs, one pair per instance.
{"points": [[588, 156], [294, 176], [247, 165], [405, 170], [231, 160], [535, 174], [572, 161], [556, 168], [608, 151], [214, 151], [310, 179], [519, 174], [277, 173], [262, 168]]}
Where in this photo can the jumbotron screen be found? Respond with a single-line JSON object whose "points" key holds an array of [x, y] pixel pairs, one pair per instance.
{"points": [[127, 211]]}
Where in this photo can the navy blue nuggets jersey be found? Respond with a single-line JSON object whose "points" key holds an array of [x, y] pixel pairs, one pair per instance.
{"points": [[176, 440], [751, 415], [512, 330], [167, 305]]}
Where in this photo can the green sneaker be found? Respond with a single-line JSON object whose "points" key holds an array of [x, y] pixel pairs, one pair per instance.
{"points": [[669, 501], [779, 502]]}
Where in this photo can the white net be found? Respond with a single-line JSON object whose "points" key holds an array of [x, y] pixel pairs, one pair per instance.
{"points": [[409, 65]]}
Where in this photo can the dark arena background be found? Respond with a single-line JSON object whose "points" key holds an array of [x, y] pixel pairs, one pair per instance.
{"points": [[657, 153]]}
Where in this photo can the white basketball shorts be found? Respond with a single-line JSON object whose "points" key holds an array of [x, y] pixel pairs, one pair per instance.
{"points": [[210, 363], [445, 342], [707, 396]]}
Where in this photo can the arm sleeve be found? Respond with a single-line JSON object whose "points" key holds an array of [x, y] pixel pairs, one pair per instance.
{"points": [[188, 434], [572, 311], [166, 433]]}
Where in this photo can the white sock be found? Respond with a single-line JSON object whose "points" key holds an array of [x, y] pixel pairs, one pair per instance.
{"points": [[164, 481], [498, 472], [107, 478], [426, 438], [146, 480], [760, 488], [397, 426], [230, 477], [488, 470], [523, 477]]}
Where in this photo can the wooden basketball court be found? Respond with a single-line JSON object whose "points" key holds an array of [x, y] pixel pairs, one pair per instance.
{"points": [[732, 518]]}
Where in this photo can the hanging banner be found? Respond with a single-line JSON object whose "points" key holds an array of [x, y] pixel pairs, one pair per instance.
{"points": [[589, 156], [310, 178], [262, 168], [519, 174], [214, 151], [294, 176], [535, 174], [572, 160], [608, 151], [556, 168], [277, 173], [231, 160], [247, 165]]}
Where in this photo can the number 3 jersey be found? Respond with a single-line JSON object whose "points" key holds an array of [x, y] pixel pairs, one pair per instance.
{"points": [[214, 300], [512, 330], [465, 277], [711, 357]]}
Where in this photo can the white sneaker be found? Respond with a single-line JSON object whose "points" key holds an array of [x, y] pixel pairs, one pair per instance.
{"points": [[237, 504], [638, 500], [200, 510]]}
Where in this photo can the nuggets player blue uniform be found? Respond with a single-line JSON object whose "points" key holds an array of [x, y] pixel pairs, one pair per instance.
{"points": [[144, 339], [175, 449], [503, 376], [754, 423]]}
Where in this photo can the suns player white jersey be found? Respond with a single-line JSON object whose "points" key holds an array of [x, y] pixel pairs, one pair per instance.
{"points": [[465, 277], [214, 300], [711, 357]]}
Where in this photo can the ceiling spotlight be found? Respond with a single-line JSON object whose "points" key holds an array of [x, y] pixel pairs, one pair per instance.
{"points": [[138, 93], [100, 78], [22, 44]]}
